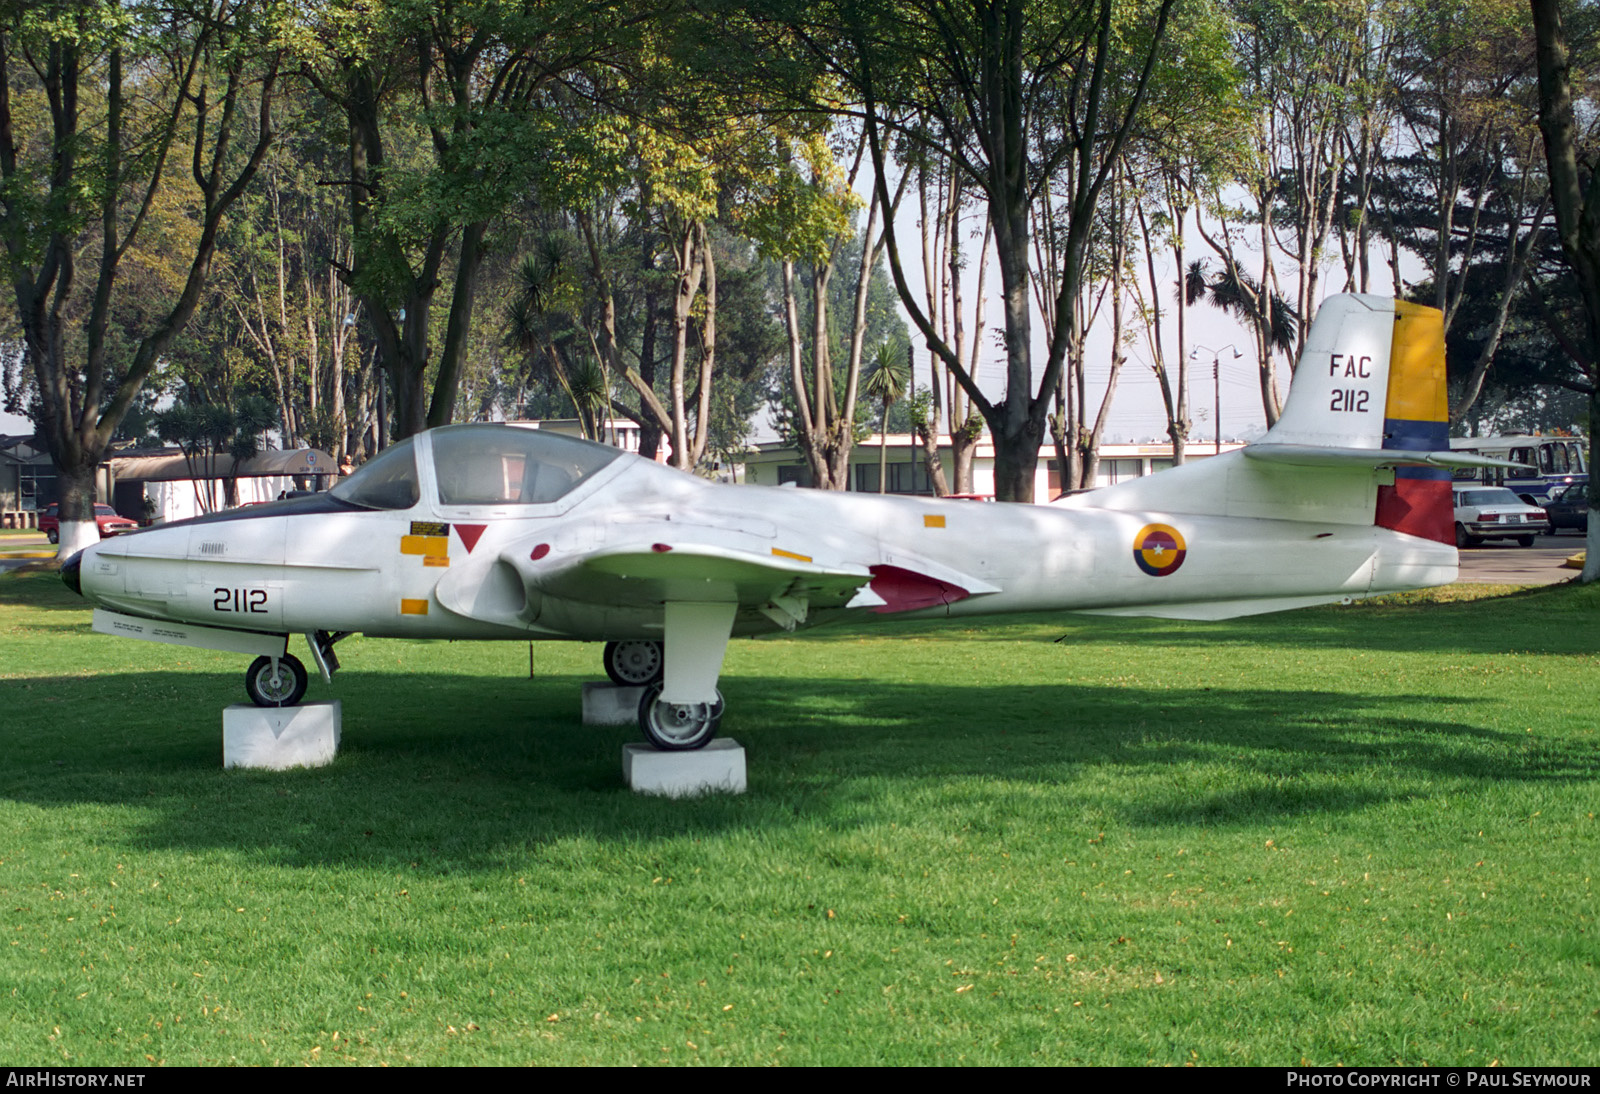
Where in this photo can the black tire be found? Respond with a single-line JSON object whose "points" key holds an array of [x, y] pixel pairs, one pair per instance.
{"points": [[286, 690], [1464, 540], [53, 535], [634, 663], [1524, 541], [678, 727]]}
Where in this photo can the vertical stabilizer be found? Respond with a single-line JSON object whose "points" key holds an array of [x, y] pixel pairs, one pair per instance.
{"points": [[1358, 441], [1337, 399], [1373, 377]]}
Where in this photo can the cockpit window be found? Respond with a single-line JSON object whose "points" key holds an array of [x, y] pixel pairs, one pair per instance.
{"points": [[387, 481], [506, 465]]}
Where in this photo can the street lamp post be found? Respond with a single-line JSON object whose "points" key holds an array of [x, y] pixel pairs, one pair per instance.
{"points": [[1216, 384]]}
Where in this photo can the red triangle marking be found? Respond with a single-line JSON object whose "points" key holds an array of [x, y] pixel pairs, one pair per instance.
{"points": [[469, 534]]}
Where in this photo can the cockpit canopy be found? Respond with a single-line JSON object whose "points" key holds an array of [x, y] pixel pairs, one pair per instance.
{"points": [[479, 465], [387, 481], [505, 465]]}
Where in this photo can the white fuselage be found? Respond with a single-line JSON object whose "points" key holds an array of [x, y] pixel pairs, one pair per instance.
{"points": [[441, 571]]}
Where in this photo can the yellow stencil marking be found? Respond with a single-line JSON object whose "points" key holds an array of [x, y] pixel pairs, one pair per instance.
{"points": [[932, 520], [413, 607], [781, 553], [436, 560], [426, 546]]}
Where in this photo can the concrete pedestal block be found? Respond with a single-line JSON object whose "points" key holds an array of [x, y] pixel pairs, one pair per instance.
{"points": [[610, 705], [276, 738], [717, 768]]}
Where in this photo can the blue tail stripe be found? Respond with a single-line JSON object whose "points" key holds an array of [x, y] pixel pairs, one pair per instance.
{"points": [[1416, 436]]}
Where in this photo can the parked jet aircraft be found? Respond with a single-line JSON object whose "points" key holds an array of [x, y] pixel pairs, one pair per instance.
{"points": [[492, 531]]}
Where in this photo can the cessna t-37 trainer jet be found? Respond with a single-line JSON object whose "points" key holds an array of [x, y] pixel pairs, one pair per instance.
{"points": [[498, 532]]}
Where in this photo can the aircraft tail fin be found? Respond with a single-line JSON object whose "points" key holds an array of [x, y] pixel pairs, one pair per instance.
{"points": [[1370, 389], [1363, 438]]}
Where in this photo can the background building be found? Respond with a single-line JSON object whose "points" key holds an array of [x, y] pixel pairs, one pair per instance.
{"points": [[777, 464]]}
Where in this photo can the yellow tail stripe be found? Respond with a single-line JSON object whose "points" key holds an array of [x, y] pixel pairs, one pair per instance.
{"points": [[1416, 365]]}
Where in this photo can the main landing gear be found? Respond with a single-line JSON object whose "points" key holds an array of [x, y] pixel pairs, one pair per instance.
{"points": [[635, 663], [671, 727], [678, 727], [681, 708]]}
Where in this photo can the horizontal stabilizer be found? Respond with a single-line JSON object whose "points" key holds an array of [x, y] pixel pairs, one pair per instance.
{"points": [[1304, 455]]}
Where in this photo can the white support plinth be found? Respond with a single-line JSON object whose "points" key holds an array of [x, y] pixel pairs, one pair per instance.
{"points": [[610, 705], [717, 768], [276, 738]]}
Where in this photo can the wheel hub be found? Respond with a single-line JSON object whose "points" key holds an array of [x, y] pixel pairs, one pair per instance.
{"points": [[678, 725]]}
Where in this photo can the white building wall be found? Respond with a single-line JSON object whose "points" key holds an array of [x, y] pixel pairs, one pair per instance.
{"points": [[181, 500]]}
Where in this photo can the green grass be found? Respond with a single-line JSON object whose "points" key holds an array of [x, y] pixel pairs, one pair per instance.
{"points": [[1361, 836]]}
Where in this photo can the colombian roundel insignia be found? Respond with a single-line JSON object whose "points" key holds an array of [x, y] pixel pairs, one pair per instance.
{"points": [[1158, 549]]}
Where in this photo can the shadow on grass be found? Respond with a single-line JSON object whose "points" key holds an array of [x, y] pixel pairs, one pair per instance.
{"points": [[444, 773], [1553, 619], [37, 588]]}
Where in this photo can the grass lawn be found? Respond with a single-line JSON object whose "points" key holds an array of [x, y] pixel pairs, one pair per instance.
{"points": [[1361, 835]]}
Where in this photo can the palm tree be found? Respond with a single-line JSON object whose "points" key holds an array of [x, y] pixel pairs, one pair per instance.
{"points": [[1234, 297], [541, 324], [886, 380]]}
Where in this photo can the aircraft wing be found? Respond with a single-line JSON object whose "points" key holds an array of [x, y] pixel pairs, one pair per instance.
{"points": [[650, 574], [649, 567]]}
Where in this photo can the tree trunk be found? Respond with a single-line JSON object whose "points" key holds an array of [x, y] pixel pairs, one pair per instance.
{"points": [[929, 439], [1574, 198], [458, 327], [76, 498]]}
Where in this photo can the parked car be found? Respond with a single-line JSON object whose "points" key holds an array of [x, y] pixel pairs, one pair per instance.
{"points": [[1569, 508], [110, 521], [1493, 512]]}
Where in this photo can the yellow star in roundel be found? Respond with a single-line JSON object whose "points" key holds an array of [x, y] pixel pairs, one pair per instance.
{"points": [[1159, 549]]}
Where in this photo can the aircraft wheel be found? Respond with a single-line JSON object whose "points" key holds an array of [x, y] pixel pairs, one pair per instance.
{"points": [[678, 727], [283, 688], [634, 663]]}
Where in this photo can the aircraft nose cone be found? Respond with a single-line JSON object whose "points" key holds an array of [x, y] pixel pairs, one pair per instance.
{"points": [[70, 573]]}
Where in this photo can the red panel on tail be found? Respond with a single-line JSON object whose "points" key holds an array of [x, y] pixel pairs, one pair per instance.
{"points": [[1418, 507]]}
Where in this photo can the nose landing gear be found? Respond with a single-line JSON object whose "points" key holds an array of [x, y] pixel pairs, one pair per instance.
{"points": [[276, 681]]}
